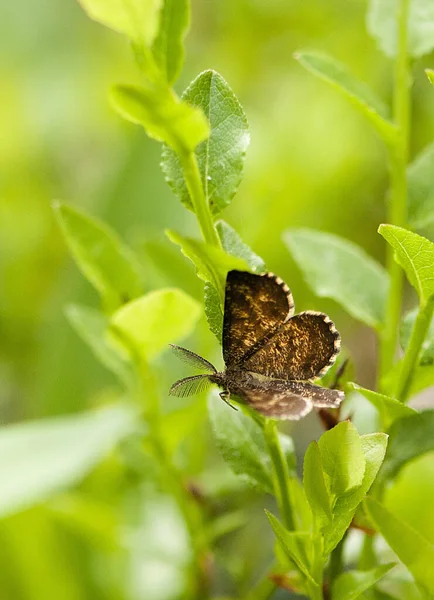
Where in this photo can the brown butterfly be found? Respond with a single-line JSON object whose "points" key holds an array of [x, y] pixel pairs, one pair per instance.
{"points": [[271, 355]]}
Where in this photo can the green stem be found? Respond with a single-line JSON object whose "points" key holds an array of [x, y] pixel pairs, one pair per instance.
{"points": [[198, 199], [367, 559], [280, 474], [336, 565], [172, 479], [410, 360], [315, 592], [398, 153]]}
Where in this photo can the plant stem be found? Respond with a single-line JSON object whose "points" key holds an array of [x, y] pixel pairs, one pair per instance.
{"points": [[398, 152], [280, 474], [367, 559], [315, 592], [418, 334], [336, 565], [173, 479], [198, 199]]}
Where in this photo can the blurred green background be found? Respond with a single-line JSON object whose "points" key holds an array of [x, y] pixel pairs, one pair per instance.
{"points": [[313, 161]]}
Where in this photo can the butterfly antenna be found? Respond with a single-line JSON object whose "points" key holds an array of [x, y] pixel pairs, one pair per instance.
{"points": [[189, 386], [193, 359]]}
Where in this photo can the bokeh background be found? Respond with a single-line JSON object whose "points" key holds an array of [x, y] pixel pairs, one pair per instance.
{"points": [[313, 161]]}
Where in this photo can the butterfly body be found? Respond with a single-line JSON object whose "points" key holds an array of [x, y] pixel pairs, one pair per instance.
{"points": [[271, 355], [233, 380]]}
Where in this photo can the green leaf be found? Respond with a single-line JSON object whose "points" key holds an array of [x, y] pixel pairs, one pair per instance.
{"points": [[92, 326], [104, 260], [164, 117], [213, 310], [301, 507], [342, 458], [357, 92], [221, 156], [415, 254], [398, 586], [427, 354], [389, 409], [382, 23], [336, 268], [234, 245], [430, 75], [352, 584], [168, 46], [409, 437], [297, 546], [423, 377], [212, 264], [410, 546], [242, 444], [410, 495], [314, 485], [420, 175], [138, 19], [374, 448], [40, 458], [151, 322]]}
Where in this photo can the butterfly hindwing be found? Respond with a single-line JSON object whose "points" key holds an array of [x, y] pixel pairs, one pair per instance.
{"points": [[277, 405], [255, 306], [303, 348], [290, 400], [319, 396]]}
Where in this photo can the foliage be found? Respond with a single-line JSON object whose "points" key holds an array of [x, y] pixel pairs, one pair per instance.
{"points": [[336, 268], [129, 478]]}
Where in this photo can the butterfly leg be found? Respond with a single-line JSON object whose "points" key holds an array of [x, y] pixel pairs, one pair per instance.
{"points": [[225, 396]]}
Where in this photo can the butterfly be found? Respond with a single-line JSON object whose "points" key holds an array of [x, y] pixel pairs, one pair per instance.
{"points": [[271, 354]]}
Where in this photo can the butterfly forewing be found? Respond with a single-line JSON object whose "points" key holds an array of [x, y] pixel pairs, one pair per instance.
{"points": [[255, 306], [302, 348]]}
